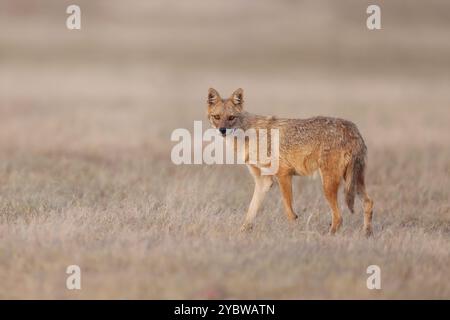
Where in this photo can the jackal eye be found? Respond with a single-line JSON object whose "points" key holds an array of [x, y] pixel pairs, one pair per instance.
{"points": [[217, 117], [231, 118]]}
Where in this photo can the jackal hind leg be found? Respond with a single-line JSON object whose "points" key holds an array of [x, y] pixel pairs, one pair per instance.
{"points": [[330, 183], [367, 206]]}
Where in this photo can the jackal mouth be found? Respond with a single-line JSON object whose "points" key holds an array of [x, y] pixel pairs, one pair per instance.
{"points": [[224, 131]]}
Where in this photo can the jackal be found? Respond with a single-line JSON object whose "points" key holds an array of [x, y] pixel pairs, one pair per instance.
{"points": [[333, 147]]}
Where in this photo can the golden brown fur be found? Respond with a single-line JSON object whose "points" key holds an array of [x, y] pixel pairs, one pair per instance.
{"points": [[332, 146]]}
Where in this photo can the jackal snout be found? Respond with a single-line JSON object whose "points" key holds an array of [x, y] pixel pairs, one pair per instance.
{"points": [[223, 131]]}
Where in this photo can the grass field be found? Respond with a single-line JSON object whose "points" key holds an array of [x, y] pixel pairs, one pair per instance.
{"points": [[85, 170]]}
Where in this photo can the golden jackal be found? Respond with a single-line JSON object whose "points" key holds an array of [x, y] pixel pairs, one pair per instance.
{"points": [[332, 146]]}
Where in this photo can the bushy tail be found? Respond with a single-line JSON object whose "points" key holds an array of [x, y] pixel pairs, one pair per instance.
{"points": [[354, 177]]}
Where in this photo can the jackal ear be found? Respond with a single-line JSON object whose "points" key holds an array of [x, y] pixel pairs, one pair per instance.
{"points": [[213, 96], [238, 97]]}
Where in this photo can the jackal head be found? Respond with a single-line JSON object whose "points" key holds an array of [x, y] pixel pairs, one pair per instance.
{"points": [[225, 114]]}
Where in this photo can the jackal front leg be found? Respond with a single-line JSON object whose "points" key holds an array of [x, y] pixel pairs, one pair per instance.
{"points": [[262, 185], [285, 182]]}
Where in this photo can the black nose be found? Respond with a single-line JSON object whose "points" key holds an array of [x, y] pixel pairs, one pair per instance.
{"points": [[223, 130]]}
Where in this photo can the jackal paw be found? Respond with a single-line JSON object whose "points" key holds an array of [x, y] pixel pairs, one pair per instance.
{"points": [[332, 231], [246, 227], [368, 232]]}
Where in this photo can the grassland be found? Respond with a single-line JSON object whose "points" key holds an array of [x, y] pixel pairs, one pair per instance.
{"points": [[85, 170]]}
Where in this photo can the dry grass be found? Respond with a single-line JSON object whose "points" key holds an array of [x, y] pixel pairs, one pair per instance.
{"points": [[85, 170]]}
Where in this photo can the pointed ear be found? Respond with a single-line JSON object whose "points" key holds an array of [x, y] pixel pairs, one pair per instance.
{"points": [[213, 97], [238, 98]]}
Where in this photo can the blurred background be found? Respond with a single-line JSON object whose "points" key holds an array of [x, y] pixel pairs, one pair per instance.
{"points": [[149, 64], [86, 117]]}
